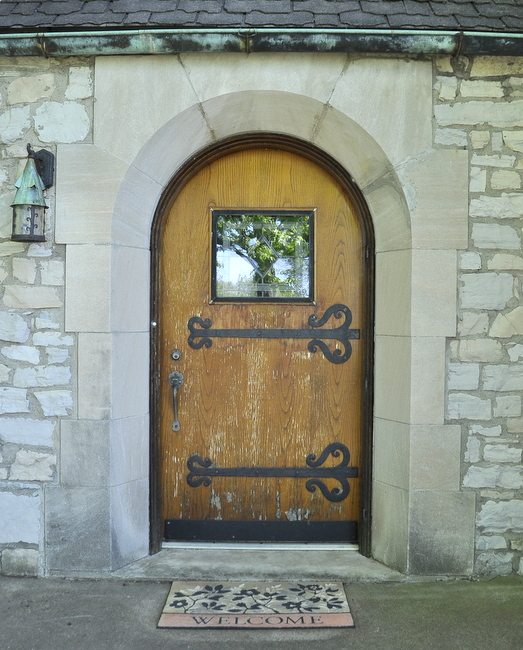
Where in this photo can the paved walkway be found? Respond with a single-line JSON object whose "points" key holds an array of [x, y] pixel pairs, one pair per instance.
{"points": [[113, 614]]}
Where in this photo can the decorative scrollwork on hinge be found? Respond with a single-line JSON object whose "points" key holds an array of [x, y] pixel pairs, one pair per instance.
{"points": [[201, 333], [335, 494], [201, 472]]}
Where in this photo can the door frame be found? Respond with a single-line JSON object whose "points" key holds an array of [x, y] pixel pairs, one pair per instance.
{"points": [[183, 175]]}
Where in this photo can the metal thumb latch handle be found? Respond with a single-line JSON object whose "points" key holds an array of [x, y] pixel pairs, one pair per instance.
{"points": [[175, 380]]}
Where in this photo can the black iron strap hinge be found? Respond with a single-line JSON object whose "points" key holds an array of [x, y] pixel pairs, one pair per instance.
{"points": [[203, 474], [202, 334]]}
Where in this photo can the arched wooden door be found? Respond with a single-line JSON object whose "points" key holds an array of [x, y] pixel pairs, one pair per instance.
{"points": [[261, 339]]}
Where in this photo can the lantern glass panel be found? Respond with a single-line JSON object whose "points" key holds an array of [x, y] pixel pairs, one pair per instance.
{"points": [[28, 223]]}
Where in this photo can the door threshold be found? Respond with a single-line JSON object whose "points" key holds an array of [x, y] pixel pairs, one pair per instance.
{"points": [[261, 546]]}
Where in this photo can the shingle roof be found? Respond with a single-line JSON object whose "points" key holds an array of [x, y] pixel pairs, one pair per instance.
{"points": [[61, 15]]}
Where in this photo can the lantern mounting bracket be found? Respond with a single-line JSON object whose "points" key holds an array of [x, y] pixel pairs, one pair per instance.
{"points": [[44, 164]]}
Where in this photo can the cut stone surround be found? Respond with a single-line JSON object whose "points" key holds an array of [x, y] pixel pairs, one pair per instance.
{"points": [[227, 109], [416, 187]]}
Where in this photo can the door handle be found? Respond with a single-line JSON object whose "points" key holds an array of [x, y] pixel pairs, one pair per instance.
{"points": [[175, 380]]}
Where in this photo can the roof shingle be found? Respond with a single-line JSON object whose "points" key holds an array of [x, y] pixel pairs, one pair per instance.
{"points": [[470, 15]]}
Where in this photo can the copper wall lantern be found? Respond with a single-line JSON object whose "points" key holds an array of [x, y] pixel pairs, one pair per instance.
{"points": [[29, 205]]}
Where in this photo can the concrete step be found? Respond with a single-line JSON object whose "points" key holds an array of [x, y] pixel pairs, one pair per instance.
{"points": [[292, 562]]}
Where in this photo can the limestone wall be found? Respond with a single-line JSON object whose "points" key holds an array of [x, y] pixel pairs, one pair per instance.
{"points": [[479, 106], [54, 443], [44, 103]]}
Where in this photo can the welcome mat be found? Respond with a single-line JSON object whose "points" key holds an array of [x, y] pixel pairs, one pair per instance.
{"points": [[250, 605]]}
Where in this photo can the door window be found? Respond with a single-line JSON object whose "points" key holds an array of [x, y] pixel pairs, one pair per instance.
{"points": [[262, 255]]}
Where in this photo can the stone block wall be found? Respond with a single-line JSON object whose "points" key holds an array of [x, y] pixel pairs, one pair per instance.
{"points": [[478, 113], [479, 106], [44, 102]]}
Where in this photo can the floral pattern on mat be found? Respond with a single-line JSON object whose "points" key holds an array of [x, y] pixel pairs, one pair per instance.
{"points": [[256, 598]]}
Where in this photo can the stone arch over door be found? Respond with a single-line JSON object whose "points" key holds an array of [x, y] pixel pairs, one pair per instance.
{"points": [[349, 144], [411, 501]]}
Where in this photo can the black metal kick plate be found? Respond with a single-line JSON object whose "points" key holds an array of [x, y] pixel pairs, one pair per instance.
{"points": [[261, 531]]}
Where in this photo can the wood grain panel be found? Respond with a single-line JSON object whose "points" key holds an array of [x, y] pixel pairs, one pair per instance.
{"points": [[258, 402]]}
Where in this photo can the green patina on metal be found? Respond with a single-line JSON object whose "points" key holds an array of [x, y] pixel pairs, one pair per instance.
{"points": [[119, 42], [30, 186], [173, 41]]}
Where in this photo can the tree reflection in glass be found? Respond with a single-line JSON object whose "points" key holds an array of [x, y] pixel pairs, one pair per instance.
{"points": [[263, 255]]}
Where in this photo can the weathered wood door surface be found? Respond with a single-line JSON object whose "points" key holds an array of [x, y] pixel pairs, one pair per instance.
{"points": [[259, 402]]}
